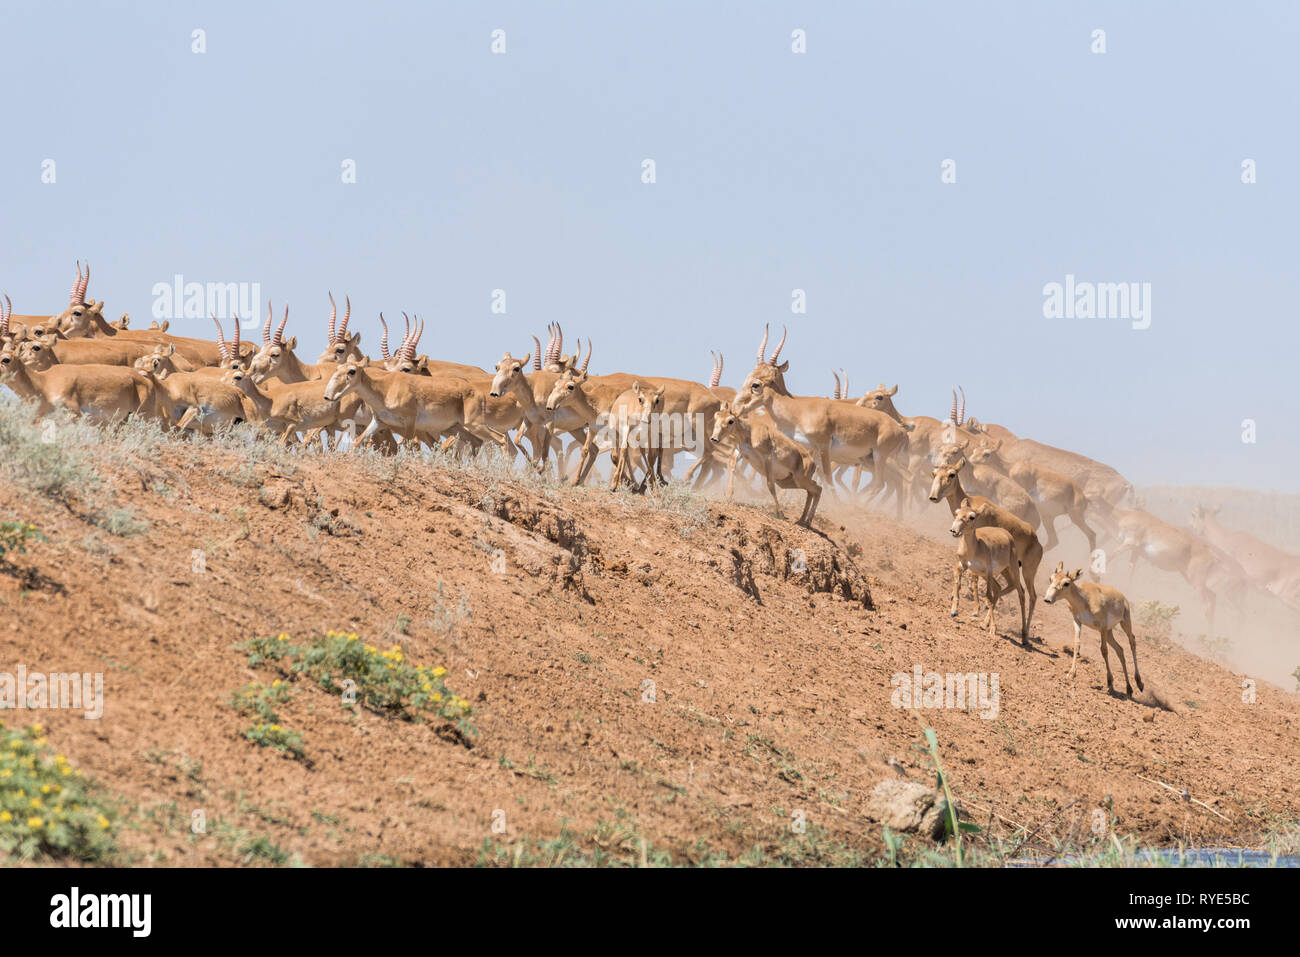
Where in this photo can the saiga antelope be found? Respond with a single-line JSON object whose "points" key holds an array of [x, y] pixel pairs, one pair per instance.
{"points": [[835, 431], [1268, 568], [1054, 493], [781, 461], [1029, 550], [1101, 608], [989, 551]]}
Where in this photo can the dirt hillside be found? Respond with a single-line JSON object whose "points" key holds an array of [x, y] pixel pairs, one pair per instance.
{"points": [[666, 679]]}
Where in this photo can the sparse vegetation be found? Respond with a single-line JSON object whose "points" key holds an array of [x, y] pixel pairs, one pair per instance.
{"points": [[47, 808]]}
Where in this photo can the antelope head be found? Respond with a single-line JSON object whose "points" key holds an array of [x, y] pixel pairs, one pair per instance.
{"points": [[81, 318], [509, 371], [768, 377], [563, 392], [345, 377], [962, 518], [38, 354], [882, 400], [985, 450], [1199, 515], [724, 422], [944, 476], [158, 364], [9, 361], [339, 346], [1060, 582], [648, 403], [275, 348]]}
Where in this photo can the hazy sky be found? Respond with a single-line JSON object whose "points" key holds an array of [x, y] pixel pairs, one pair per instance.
{"points": [[775, 171]]}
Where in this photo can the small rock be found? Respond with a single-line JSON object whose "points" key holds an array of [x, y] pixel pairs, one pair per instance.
{"points": [[909, 807], [274, 496]]}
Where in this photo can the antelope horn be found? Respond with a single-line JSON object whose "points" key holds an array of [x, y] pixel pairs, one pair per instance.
{"points": [[578, 354], [4, 317], [720, 361], [779, 346], [559, 341], [235, 347], [962, 415], [837, 384], [81, 288], [383, 341], [266, 329], [334, 313], [347, 314], [550, 342], [846, 383], [406, 338], [221, 340], [952, 416], [586, 362], [279, 332], [76, 284], [716, 374], [762, 347], [416, 341], [537, 354]]}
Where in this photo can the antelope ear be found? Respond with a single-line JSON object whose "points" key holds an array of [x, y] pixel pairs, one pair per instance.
{"points": [[636, 386], [422, 363], [49, 339], [783, 367], [1060, 566], [171, 349], [965, 503], [997, 444], [291, 343], [356, 339], [1078, 573], [365, 361]]}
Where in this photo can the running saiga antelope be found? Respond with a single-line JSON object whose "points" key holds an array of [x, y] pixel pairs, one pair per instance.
{"points": [[1054, 493], [775, 456], [836, 431], [1101, 608], [1265, 566]]}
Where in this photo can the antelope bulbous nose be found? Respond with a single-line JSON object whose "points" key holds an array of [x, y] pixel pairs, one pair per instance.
{"points": [[934, 498]]}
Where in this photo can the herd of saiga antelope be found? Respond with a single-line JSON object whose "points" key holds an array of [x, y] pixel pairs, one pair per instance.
{"points": [[1000, 488]]}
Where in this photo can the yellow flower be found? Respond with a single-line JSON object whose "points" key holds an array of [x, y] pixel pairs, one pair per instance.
{"points": [[60, 759], [65, 770], [439, 671], [282, 637], [34, 803], [276, 683], [103, 822], [5, 817], [36, 729], [45, 789], [34, 822], [437, 696], [276, 727]]}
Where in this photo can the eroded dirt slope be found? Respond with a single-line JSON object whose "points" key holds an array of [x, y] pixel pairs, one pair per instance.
{"points": [[686, 673]]}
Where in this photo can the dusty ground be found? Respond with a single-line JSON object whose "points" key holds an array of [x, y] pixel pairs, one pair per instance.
{"points": [[552, 610]]}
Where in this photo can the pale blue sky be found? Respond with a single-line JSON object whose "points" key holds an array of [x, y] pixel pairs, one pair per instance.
{"points": [[775, 171]]}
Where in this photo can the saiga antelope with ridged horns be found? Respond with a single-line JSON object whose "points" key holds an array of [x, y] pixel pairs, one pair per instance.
{"points": [[1101, 608], [339, 347], [719, 455], [836, 431]]}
